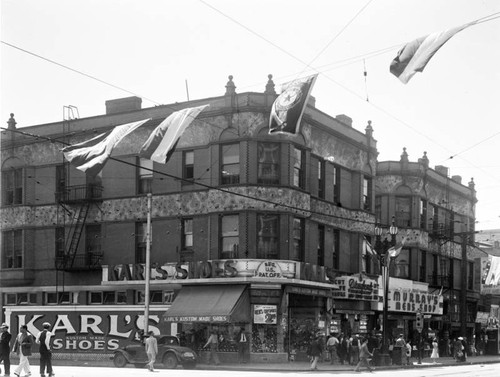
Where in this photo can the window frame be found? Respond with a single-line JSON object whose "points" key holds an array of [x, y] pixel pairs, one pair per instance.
{"points": [[298, 236], [12, 187], [367, 193], [188, 166], [229, 235], [321, 245], [273, 176], [141, 241], [12, 249], [321, 178], [267, 239], [298, 163], [230, 164], [403, 221], [187, 233]]}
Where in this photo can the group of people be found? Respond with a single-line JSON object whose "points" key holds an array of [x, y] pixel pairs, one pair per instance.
{"points": [[22, 346]]}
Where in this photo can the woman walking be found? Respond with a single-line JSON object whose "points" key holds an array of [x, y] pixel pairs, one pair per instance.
{"points": [[435, 352], [22, 345]]}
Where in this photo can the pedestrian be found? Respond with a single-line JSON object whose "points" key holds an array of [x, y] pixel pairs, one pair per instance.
{"points": [[459, 350], [435, 352], [22, 346], [408, 352], [314, 352], [212, 342], [420, 348], [364, 356], [43, 339], [151, 345], [242, 346], [343, 348], [5, 347], [354, 349], [331, 346], [400, 350]]}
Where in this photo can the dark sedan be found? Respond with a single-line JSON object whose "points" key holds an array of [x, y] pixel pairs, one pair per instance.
{"points": [[170, 354]]}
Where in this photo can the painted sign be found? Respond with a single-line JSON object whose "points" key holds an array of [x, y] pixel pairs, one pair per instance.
{"points": [[356, 287], [216, 269], [490, 275], [265, 314], [87, 329]]}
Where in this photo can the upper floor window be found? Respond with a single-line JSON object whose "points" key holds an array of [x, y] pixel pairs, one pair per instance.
{"points": [[108, 297], [230, 169], [321, 245], [298, 167], [187, 234], [267, 236], [141, 231], [423, 266], [145, 178], [60, 242], [470, 275], [188, 165], [230, 237], [321, 179], [156, 297], [55, 298], [12, 186], [268, 163], [403, 211], [423, 214], [61, 180], [298, 239], [336, 184], [366, 256], [93, 239], [336, 249], [23, 298], [12, 249], [367, 193], [401, 265]]}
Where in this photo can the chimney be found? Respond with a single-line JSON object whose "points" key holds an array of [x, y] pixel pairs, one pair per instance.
{"points": [[344, 119], [457, 178], [123, 105], [441, 170]]}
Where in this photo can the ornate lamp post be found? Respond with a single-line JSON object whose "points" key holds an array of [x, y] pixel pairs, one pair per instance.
{"points": [[382, 250]]}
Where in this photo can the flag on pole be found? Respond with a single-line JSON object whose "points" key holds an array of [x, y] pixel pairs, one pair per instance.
{"points": [[395, 250], [367, 247], [161, 143], [287, 109], [415, 55], [91, 155]]}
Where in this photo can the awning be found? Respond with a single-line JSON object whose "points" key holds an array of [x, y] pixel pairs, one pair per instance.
{"points": [[214, 304]]}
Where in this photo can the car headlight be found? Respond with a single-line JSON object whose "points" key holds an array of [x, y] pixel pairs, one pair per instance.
{"points": [[188, 354]]}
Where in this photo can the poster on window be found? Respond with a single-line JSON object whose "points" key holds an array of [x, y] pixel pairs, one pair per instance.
{"points": [[265, 314], [490, 275]]}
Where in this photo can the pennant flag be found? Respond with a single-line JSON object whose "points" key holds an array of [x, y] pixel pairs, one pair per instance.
{"points": [[287, 109], [395, 250], [161, 143], [414, 56], [90, 156], [368, 248]]}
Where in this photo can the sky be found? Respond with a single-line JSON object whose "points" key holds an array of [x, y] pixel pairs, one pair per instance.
{"points": [[155, 49]]}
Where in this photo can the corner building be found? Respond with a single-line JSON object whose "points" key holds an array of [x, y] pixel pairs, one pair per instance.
{"points": [[248, 229]]}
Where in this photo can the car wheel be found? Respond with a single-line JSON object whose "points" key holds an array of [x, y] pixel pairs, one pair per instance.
{"points": [[119, 360], [139, 365], [169, 361], [189, 365]]}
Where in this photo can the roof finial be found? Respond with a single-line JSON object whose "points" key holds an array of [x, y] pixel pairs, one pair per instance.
{"points": [[230, 87], [11, 122], [270, 85]]}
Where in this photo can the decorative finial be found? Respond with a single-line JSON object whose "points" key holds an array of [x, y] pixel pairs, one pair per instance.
{"points": [[230, 87], [270, 85], [404, 156], [11, 122]]}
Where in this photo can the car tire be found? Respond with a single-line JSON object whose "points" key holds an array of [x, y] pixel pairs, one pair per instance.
{"points": [[189, 365], [119, 360], [169, 361]]}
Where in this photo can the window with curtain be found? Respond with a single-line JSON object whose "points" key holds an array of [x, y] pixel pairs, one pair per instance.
{"points": [[229, 237], [268, 169], [12, 186], [145, 177], [230, 169], [12, 249], [267, 236]]}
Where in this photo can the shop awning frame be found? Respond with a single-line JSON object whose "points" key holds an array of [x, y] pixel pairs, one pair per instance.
{"points": [[211, 304]]}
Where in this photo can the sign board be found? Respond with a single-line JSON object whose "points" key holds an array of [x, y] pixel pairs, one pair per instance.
{"points": [[265, 314]]}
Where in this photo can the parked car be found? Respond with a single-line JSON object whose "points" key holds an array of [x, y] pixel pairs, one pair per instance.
{"points": [[170, 354]]}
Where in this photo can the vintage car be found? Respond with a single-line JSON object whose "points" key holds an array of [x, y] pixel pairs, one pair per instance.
{"points": [[170, 354]]}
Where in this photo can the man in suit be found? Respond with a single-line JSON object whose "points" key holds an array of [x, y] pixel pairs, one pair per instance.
{"points": [[5, 347], [242, 340], [43, 339]]}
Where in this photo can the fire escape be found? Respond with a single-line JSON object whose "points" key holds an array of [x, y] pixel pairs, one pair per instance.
{"points": [[77, 202]]}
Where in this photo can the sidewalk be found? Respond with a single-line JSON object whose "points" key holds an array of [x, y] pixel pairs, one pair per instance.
{"points": [[326, 366]]}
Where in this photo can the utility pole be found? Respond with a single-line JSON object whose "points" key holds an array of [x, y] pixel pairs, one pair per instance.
{"points": [[463, 287]]}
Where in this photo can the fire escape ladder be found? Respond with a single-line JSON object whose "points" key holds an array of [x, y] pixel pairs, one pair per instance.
{"points": [[76, 230]]}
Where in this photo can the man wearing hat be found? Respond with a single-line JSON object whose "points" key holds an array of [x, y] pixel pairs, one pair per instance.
{"points": [[43, 339], [5, 347]]}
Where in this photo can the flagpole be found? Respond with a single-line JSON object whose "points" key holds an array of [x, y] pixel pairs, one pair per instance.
{"points": [[148, 266]]}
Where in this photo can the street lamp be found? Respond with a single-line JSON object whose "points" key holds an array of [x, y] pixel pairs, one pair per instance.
{"points": [[382, 250]]}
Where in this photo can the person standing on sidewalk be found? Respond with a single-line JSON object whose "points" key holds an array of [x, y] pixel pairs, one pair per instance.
{"points": [[314, 352], [242, 346], [435, 351], [5, 347], [151, 345], [22, 345], [331, 346], [364, 356], [212, 342], [43, 339]]}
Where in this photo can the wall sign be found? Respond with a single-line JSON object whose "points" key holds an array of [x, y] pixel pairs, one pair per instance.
{"points": [[411, 301], [356, 287], [265, 314]]}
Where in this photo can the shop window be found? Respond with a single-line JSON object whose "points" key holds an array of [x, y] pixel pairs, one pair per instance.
{"points": [[298, 240], [403, 211], [321, 179], [264, 338], [187, 234], [188, 165], [145, 176], [321, 245], [141, 230], [229, 237], [230, 169], [367, 193], [12, 249], [267, 236], [400, 266], [298, 167], [268, 163], [56, 298], [12, 186]]}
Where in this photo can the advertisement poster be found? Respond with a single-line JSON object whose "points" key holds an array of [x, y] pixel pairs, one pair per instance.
{"points": [[490, 275], [265, 314]]}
